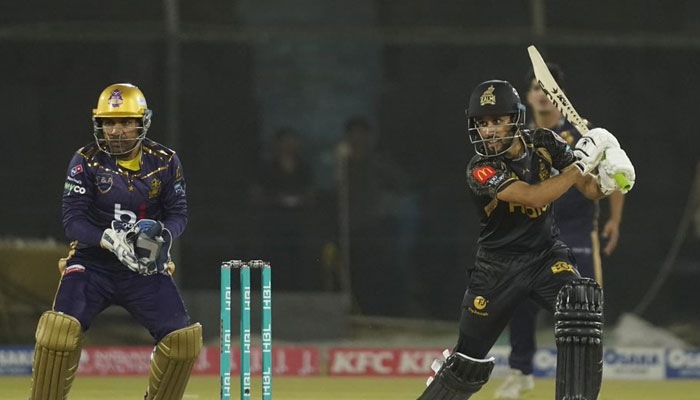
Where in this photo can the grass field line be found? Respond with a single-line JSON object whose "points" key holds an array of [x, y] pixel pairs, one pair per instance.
{"points": [[344, 388]]}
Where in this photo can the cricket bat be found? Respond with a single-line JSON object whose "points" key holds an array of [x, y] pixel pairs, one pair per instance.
{"points": [[561, 102]]}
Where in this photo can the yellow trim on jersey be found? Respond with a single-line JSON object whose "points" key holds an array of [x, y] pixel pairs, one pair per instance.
{"points": [[62, 263], [544, 153], [133, 165], [160, 153]]}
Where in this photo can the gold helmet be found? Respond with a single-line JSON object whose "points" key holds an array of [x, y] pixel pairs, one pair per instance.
{"points": [[120, 100]]}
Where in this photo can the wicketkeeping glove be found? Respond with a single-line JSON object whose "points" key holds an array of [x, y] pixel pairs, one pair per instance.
{"points": [[120, 241], [152, 246], [615, 162]]}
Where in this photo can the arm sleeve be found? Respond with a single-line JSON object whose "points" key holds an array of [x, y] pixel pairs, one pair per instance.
{"points": [[174, 199], [487, 177], [78, 194], [562, 155]]}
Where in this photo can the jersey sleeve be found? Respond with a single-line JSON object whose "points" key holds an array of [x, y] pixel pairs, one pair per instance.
{"points": [[78, 194], [558, 149], [174, 199], [487, 177]]}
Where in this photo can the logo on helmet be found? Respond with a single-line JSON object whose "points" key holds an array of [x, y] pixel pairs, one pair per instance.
{"points": [[115, 100], [488, 97]]}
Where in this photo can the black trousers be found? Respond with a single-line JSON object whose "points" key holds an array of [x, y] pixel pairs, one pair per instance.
{"points": [[500, 283]]}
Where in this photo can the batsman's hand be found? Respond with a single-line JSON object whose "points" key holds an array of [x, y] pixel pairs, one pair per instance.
{"points": [[591, 147], [615, 162], [120, 241]]}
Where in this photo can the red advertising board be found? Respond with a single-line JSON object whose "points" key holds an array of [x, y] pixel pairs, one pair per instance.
{"points": [[381, 362], [286, 361]]}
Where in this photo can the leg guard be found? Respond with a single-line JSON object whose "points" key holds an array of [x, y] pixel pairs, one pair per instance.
{"points": [[458, 378], [171, 363], [578, 331], [56, 356]]}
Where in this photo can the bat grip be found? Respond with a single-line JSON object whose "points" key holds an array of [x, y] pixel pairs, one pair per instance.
{"points": [[622, 182]]}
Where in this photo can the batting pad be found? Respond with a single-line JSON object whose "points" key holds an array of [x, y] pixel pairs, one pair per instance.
{"points": [[56, 356], [171, 363]]}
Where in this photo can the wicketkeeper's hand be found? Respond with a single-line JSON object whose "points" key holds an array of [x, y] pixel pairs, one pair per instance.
{"points": [[615, 162], [120, 241], [152, 246], [591, 147]]}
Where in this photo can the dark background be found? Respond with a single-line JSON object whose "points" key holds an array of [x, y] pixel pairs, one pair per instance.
{"points": [[631, 66]]}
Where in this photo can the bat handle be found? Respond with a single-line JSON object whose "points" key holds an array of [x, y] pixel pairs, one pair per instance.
{"points": [[622, 182]]}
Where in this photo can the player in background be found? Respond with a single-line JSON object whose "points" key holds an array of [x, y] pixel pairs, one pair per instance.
{"points": [[123, 204], [519, 256], [577, 219]]}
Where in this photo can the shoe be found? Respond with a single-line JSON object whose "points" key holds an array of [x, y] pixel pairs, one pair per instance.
{"points": [[515, 384]]}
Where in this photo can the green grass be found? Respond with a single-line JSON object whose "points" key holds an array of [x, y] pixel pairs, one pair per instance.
{"points": [[324, 388]]}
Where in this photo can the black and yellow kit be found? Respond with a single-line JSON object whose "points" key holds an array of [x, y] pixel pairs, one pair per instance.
{"points": [[519, 256]]}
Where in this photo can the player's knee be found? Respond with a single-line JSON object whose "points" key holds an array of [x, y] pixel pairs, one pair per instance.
{"points": [[580, 299], [58, 331], [182, 344], [458, 378]]}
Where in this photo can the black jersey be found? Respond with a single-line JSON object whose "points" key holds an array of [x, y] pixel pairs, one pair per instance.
{"points": [[510, 227]]}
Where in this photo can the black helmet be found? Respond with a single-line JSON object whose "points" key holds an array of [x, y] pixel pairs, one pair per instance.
{"points": [[494, 97]]}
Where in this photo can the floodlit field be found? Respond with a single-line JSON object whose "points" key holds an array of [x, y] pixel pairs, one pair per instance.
{"points": [[207, 388]]}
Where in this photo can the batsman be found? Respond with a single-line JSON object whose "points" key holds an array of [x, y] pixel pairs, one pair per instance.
{"points": [[514, 177], [123, 204]]}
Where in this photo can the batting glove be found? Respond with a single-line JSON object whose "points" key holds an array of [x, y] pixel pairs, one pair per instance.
{"points": [[591, 147], [615, 162]]}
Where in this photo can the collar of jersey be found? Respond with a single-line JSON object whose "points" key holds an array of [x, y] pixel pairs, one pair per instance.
{"points": [[133, 164]]}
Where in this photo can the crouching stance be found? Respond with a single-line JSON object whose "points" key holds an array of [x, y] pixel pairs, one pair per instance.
{"points": [[123, 204], [513, 178]]}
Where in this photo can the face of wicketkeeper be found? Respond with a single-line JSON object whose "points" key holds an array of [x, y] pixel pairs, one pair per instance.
{"points": [[495, 130], [121, 133], [537, 100]]}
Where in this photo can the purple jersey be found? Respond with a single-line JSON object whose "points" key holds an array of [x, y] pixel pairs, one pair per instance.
{"points": [[98, 191], [573, 212]]}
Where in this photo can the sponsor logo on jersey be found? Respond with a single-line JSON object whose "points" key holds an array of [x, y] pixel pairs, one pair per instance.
{"points": [[76, 181], [488, 97], [494, 181], [479, 305], [74, 268], [562, 266], [154, 191], [179, 189], [126, 217], [529, 211], [70, 188], [76, 170], [115, 100], [482, 174], [479, 302], [104, 182]]}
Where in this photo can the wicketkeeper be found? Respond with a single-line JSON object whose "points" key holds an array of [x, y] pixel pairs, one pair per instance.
{"points": [[123, 204], [514, 177]]}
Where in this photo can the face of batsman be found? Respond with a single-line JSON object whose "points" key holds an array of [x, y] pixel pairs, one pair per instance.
{"points": [[494, 118], [121, 119]]}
